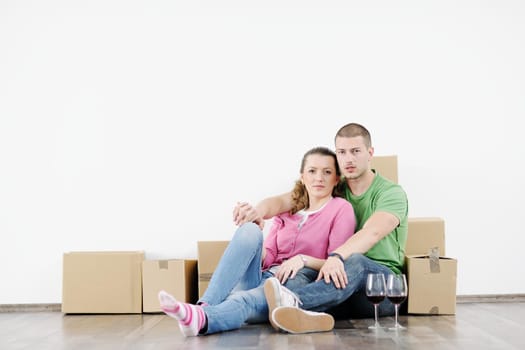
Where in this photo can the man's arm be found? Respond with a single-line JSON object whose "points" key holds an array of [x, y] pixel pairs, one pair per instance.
{"points": [[265, 209], [375, 228]]}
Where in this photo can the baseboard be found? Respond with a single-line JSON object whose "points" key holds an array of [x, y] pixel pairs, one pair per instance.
{"points": [[30, 307], [460, 299], [491, 298]]}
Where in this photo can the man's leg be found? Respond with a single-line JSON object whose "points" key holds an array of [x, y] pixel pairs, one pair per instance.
{"points": [[321, 296], [303, 277], [284, 305]]}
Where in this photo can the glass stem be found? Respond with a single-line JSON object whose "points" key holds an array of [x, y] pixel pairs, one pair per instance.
{"points": [[375, 313], [396, 306]]}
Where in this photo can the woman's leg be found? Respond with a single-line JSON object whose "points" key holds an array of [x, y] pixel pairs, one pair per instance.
{"points": [[240, 265], [243, 306]]}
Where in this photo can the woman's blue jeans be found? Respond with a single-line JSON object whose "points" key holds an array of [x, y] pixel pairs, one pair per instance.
{"points": [[235, 294]]}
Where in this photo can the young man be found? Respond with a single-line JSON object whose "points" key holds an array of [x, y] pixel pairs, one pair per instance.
{"points": [[378, 246]]}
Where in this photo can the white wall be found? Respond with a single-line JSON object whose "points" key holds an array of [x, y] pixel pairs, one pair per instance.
{"points": [[137, 125]]}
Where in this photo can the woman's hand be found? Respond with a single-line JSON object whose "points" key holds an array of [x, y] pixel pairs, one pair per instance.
{"points": [[244, 212], [289, 268], [333, 270]]}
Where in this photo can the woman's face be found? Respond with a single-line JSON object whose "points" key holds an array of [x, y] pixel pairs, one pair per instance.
{"points": [[319, 175]]}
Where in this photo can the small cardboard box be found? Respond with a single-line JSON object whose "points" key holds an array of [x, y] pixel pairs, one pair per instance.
{"points": [[176, 276], [102, 282], [209, 253], [424, 234], [386, 166], [431, 285]]}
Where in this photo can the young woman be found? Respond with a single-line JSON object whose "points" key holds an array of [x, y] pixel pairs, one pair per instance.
{"points": [[295, 249]]}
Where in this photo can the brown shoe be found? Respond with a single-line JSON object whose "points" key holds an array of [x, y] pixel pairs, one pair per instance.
{"points": [[295, 320]]}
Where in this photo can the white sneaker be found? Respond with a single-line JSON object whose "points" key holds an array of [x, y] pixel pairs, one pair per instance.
{"points": [[296, 321], [278, 295]]}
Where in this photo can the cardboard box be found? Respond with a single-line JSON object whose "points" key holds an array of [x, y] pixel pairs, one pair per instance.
{"points": [[386, 166], [102, 282], [431, 285], [209, 253], [424, 234], [176, 276]]}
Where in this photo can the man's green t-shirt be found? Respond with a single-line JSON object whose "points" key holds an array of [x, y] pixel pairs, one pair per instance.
{"points": [[386, 196]]}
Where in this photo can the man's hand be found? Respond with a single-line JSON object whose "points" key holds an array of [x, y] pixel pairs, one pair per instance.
{"points": [[289, 268], [244, 212], [333, 270]]}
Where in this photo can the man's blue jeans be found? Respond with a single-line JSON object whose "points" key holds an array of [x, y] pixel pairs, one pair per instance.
{"points": [[235, 294], [322, 296]]}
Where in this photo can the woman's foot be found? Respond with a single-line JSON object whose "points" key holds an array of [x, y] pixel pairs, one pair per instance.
{"points": [[191, 317]]}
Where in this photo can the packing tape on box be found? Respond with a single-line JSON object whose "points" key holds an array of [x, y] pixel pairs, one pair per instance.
{"points": [[433, 257], [163, 264]]}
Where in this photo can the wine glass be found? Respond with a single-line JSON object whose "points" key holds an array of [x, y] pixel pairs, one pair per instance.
{"points": [[375, 292], [396, 292]]}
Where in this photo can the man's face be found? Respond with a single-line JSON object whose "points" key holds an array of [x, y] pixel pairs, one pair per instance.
{"points": [[353, 156]]}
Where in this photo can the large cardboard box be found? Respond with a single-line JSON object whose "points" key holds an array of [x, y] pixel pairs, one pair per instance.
{"points": [[386, 166], [209, 253], [176, 276], [424, 234], [431, 285], [102, 282]]}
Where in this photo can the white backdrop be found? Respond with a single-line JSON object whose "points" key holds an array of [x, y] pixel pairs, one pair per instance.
{"points": [[137, 125]]}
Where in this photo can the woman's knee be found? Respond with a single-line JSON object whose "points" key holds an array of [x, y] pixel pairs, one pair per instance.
{"points": [[248, 234]]}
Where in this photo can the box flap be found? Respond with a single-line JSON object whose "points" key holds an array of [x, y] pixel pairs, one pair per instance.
{"points": [[386, 166]]}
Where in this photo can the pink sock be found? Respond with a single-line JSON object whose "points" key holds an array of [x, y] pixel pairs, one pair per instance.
{"points": [[191, 317]]}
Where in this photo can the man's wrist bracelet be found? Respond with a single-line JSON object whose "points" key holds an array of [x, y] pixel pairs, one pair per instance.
{"points": [[337, 255]]}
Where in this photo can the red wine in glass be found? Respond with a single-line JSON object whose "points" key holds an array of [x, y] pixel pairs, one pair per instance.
{"points": [[375, 299], [396, 292], [397, 299], [376, 293]]}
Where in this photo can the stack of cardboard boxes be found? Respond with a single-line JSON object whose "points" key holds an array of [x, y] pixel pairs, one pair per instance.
{"points": [[124, 282], [431, 276]]}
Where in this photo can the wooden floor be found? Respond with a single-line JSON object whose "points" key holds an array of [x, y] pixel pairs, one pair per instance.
{"points": [[475, 326]]}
